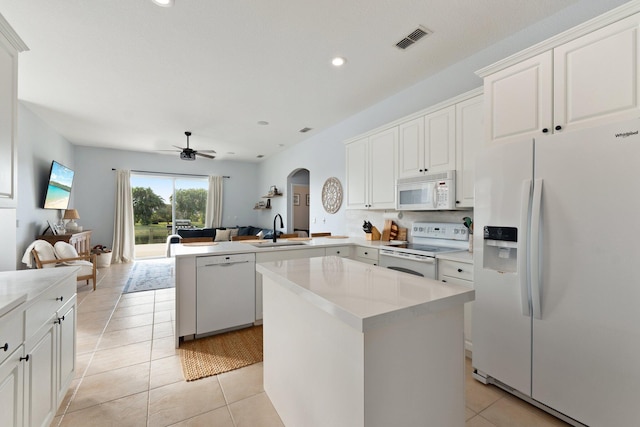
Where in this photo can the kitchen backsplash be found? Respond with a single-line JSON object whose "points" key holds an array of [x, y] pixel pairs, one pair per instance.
{"points": [[355, 218]]}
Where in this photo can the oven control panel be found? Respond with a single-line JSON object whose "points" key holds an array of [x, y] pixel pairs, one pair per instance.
{"points": [[440, 230]]}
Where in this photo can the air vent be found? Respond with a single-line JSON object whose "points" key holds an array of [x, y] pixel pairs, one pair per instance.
{"points": [[413, 37], [304, 130]]}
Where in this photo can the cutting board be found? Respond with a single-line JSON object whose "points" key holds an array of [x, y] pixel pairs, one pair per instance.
{"points": [[337, 237], [390, 231], [299, 239]]}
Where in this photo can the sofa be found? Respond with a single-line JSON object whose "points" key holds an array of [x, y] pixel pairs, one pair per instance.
{"points": [[188, 235]]}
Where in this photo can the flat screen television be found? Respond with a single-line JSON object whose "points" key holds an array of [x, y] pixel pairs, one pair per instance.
{"points": [[58, 187]]}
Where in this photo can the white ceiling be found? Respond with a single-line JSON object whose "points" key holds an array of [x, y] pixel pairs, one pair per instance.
{"points": [[128, 74]]}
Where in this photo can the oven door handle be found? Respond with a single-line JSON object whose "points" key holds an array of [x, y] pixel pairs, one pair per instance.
{"points": [[406, 270]]}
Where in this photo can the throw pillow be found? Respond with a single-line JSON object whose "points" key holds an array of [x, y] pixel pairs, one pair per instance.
{"points": [[65, 250], [233, 232], [222, 235], [45, 252]]}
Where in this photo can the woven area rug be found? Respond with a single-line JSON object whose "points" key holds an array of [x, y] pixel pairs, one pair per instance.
{"points": [[216, 354], [149, 275]]}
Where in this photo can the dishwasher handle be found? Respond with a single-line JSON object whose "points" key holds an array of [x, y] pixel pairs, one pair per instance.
{"points": [[225, 264]]}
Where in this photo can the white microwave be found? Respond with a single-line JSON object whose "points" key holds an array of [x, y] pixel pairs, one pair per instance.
{"points": [[429, 192]]}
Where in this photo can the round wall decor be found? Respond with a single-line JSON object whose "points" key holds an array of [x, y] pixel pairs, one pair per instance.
{"points": [[332, 195]]}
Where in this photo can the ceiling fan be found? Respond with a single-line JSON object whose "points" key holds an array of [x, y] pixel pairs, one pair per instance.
{"points": [[187, 153]]}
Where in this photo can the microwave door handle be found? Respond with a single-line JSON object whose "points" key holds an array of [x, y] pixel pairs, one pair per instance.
{"points": [[434, 198]]}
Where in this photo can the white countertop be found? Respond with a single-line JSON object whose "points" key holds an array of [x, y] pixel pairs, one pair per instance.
{"points": [[19, 286], [222, 248], [361, 295]]}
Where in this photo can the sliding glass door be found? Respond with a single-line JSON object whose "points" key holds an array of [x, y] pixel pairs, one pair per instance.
{"points": [[161, 205]]}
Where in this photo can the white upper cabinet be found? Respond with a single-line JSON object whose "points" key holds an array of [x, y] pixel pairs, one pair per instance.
{"points": [[587, 80], [371, 171], [427, 144], [469, 139], [10, 46]]}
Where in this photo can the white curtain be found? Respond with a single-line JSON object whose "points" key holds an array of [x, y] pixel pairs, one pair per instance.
{"points": [[123, 221], [213, 212]]}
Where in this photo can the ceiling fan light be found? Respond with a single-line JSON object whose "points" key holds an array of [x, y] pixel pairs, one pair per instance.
{"points": [[338, 61], [163, 3]]}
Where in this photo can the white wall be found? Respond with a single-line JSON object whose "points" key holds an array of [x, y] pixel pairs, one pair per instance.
{"points": [[323, 153], [94, 187], [38, 145]]}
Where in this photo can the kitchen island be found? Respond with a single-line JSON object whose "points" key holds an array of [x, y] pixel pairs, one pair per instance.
{"points": [[350, 344]]}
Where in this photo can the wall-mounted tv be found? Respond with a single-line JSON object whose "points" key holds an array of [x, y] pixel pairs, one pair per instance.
{"points": [[58, 187]]}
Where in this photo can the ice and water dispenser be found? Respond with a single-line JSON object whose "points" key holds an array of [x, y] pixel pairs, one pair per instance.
{"points": [[500, 249]]}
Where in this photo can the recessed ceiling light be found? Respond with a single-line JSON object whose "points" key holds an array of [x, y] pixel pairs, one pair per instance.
{"points": [[280, 145], [338, 61], [263, 123], [260, 156], [163, 3]]}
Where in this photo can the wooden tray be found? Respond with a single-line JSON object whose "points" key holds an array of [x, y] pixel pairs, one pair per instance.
{"points": [[298, 239], [337, 237]]}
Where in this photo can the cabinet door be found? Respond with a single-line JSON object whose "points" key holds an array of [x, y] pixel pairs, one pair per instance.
{"points": [[11, 389], [382, 169], [40, 379], [596, 77], [8, 108], [469, 139], [440, 142], [518, 100], [66, 340], [357, 158], [341, 251], [468, 311], [411, 148]]}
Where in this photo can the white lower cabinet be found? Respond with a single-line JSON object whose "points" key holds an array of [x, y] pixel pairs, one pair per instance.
{"points": [[39, 362], [341, 251], [459, 273], [366, 255]]}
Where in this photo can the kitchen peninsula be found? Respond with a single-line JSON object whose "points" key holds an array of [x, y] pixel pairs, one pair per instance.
{"points": [[379, 347]]}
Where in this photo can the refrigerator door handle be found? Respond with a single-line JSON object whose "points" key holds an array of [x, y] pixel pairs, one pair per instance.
{"points": [[525, 205], [534, 254]]}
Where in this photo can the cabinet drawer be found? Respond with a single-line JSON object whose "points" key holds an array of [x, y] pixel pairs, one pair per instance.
{"points": [[367, 253], [11, 332], [461, 270], [46, 305], [341, 251]]}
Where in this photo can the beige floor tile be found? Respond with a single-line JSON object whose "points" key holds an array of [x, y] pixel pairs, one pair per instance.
{"points": [[162, 329], [183, 400], [164, 316], [220, 417], [111, 385], [126, 337], [132, 310], [480, 396], [119, 357], [130, 322], [82, 363], [242, 383], [86, 343], [129, 411], [168, 294], [478, 421], [255, 411], [513, 412], [468, 414], [165, 371], [136, 298], [165, 305], [164, 347]]}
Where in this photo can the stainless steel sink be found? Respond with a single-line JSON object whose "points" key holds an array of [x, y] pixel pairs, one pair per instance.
{"points": [[279, 244]]}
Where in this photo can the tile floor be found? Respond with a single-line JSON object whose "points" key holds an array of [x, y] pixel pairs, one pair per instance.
{"points": [[129, 374]]}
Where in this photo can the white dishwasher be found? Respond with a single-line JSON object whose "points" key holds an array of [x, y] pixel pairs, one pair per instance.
{"points": [[225, 292]]}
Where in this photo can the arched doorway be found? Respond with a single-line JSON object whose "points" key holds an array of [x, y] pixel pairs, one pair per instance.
{"points": [[298, 201]]}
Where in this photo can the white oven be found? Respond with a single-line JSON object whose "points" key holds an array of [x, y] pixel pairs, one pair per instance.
{"points": [[435, 191], [419, 265], [428, 240]]}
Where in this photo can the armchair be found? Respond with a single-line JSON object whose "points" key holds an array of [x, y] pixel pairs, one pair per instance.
{"points": [[62, 254]]}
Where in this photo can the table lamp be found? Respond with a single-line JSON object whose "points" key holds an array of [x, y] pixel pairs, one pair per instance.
{"points": [[71, 215]]}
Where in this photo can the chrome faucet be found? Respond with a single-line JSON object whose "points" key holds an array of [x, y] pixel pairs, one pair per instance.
{"points": [[274, 225]]}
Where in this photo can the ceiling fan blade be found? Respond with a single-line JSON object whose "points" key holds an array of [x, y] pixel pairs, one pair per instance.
{"points": [[199, 153], [173, 151], [179, 148], [207, 151]]}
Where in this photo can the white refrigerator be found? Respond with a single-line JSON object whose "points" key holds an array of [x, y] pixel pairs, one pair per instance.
{"points": [[557, 272]]}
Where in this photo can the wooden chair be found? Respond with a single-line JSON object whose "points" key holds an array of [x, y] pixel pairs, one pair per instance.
{"points": [[59, 262], [320, 234], [288, 236], [236, 238]]}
